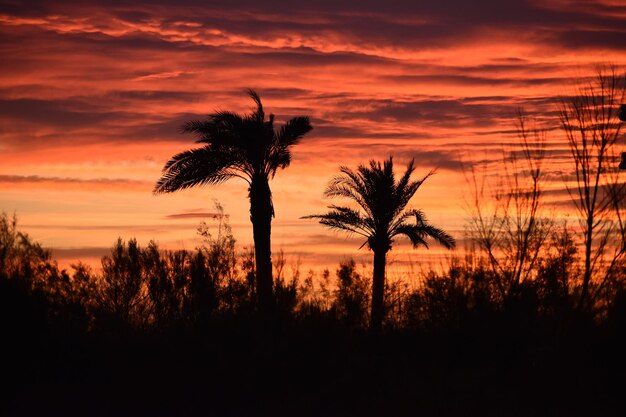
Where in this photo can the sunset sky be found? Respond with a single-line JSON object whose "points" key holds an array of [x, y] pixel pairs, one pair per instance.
{"points": [[92, 96]]}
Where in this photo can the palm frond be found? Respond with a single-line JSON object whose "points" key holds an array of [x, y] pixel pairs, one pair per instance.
{"points": [[406, 177], [291, 132], [441, 237], [198, 167], [349, 180], [413, 232], [278, 154], [417, 234], [406, 190], [194, 126], [344, 218], [420, 218], [226, 120], [341, 189], [259, 113], [279, 159], [220, 129]]}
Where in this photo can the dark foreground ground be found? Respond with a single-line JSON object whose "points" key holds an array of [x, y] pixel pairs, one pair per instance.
{"points": [[239, 367]]}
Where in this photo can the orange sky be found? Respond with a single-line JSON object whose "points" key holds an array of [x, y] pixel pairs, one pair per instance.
{"points": [[92, 96]]}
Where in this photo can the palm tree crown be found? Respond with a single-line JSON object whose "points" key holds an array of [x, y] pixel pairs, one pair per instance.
{"points": [[242, 146], [382, 201]]}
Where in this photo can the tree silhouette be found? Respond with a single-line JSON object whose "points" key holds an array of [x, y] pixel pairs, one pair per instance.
{"points": [[590, 121], [246, 147], [382, 215]]}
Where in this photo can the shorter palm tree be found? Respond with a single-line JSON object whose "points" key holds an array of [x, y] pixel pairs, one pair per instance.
{"points": [[381, 215]]}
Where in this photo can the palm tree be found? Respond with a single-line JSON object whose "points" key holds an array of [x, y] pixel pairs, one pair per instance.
{"points": [[381, 215], [246, 147]]}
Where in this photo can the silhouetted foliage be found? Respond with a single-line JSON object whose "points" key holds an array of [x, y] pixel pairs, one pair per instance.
{"points": [[557, 273], [159, 331], [590, 121], [512, 233], [124, 291], [352, 296], [20, 256]]}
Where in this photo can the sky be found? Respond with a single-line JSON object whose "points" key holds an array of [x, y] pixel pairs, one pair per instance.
{"points": [[93, 94]]}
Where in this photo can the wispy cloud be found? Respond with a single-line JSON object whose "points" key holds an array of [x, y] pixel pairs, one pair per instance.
{"points": [[94, 184], [198, 215], [161, 76]]}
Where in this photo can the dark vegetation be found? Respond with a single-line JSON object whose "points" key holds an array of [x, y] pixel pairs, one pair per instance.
{"points": [[161, 333], [529, 320]]}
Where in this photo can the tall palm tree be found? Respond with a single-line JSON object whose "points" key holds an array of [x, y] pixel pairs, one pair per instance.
{"points": [[381, 215], [240, 146]]}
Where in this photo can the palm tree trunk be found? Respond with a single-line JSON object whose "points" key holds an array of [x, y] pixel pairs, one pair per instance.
{"points": [[378, 292], [261, 212]]}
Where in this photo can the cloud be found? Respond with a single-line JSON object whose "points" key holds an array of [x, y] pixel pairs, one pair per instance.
{"points": [[425, 159], [119, 228], [441, 112], [93, 184], [198, 215], [161, 76], [77, 254], [354, 30], [599, 39], [476, 81], [156, 95], [58, 113]]}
